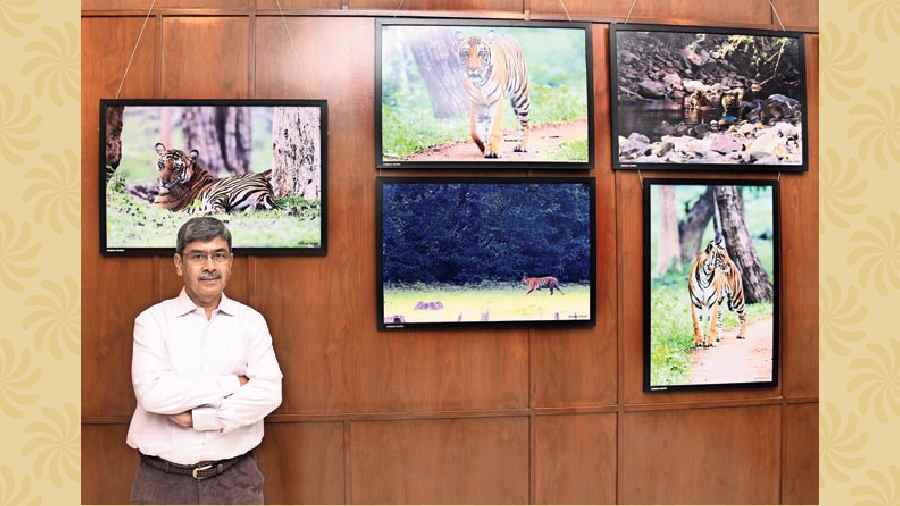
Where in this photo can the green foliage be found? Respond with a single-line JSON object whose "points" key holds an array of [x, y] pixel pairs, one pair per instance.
{"points": [[574, 150], [671, 328], [134, 223], [502, 301]]}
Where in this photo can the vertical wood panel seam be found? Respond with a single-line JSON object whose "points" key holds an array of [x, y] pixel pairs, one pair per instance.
{"points": [[532, 472], [347, 473], [620, 348]]}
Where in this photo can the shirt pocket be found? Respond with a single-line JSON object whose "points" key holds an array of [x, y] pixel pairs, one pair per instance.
{"points": [[226, 345]]}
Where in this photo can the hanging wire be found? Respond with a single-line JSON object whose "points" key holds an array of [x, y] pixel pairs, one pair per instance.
{"points": [[287, 31], [640, 178], [630, 9], [134, 49], [566, 9], [777, 17], [400, 5]]}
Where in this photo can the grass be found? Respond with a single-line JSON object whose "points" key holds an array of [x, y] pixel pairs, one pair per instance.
{"points": [[133, 223], [503, 302], [574, 150], [671, 328]]}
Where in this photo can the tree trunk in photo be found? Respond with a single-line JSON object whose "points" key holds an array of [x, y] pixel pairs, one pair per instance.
{"points": [[757, 287], [436, 55], [297, 152], [667, 251], [222, 137], [690, 229], [113, 139]]}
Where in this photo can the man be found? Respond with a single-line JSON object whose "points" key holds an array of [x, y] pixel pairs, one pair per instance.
{"points": [[205, 376]]}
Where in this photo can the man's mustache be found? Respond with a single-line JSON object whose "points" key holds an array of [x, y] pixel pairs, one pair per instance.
{"points": [[211, 275]]}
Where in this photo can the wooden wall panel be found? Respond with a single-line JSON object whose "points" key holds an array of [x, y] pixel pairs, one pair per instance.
{"points": [[464, 461], [108, 465], [303, 463], [702, 456], [800, 267], [163, 4], [298, 4], [589, 356], [194, 65], [441, 5], [798, 13], [575, 459], [800, 470], [106, 335], [701, 12]]}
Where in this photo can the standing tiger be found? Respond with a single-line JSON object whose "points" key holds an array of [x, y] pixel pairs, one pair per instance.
{"points": [[539, 283], [183, 184], [495, 72], [713, 278]]}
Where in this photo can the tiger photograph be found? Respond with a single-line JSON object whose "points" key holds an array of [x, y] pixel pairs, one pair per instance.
{"points": [[485, 251], [257, 165], [710, 276], [470, 93]]}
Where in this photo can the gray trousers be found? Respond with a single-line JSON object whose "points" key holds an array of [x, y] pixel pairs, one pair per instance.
{"points": [[242, 483]]}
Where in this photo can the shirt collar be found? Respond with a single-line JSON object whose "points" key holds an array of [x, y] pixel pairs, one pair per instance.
{"points": [[184, 305]]}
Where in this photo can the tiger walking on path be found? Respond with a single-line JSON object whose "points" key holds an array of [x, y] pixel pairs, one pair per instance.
{"points": [[713, 278], [495, 72]]}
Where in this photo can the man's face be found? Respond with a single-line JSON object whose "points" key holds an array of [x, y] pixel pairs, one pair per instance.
{"points": [[205, 268]]}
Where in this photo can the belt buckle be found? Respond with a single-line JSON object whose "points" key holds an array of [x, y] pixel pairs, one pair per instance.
{"points": [[194, 472]]}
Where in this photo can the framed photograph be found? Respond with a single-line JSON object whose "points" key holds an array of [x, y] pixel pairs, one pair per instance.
{"points": [[259, 165], [485, 252], [711, 283], [686, 97], [468, 93]]}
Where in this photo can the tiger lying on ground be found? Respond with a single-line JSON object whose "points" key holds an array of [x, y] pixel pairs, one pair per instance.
{"points": [[183, 184], [495, 71], [539, 283], [714, 277]]}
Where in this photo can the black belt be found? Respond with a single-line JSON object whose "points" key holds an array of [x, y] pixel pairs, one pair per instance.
{"points": [[199, 471]]}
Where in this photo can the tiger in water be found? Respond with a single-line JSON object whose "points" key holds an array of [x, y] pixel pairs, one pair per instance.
{"points": [[495, 73], [713, 278]]}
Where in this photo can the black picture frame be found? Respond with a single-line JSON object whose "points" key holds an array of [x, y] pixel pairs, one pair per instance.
{"points": [[617, 164], [379, 260], [322, 105], [500, 164], [647, 188]]}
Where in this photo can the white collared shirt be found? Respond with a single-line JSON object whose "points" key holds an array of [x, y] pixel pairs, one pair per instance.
{"points": [[183, 362]]}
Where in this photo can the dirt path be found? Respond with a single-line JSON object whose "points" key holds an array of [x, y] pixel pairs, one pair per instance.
{"points": [[542, 140], [735, 360]]}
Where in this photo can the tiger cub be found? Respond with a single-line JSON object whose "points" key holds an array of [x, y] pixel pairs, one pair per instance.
{"points": [[495, 72], [183, 184], [539, 283], [713, 278]]}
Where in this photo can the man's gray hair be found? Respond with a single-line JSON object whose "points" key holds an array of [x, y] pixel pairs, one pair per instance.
{"points": [[201, 229]]}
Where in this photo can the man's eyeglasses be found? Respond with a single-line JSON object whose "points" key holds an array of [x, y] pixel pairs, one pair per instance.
{"points": [[199, 257]]}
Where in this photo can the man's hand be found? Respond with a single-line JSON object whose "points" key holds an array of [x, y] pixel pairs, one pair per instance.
{"points": [[243, 379], [184, 420]]}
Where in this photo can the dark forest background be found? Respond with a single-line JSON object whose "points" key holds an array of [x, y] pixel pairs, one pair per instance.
{"points": [[468, 233]]}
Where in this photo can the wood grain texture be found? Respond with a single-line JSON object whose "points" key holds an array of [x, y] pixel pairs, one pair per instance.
{"points": [[679, 12], [800, 264], [298, 4], [799, 13], [107, 464], [575, 459], [106, 334], [163, 4], [441, 5], [800, 470], [702, 456], [303, 463], [481, 461], [589, 356]]}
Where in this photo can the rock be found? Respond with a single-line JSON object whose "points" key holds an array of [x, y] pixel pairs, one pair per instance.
{"points": [[724, 143], [651, 89], [698, 146], [664, 128], [766, 144], [787, 129], [628, 56], [673, 81], [696, 59], [637, 137], [779, 106], [663, 148]]}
